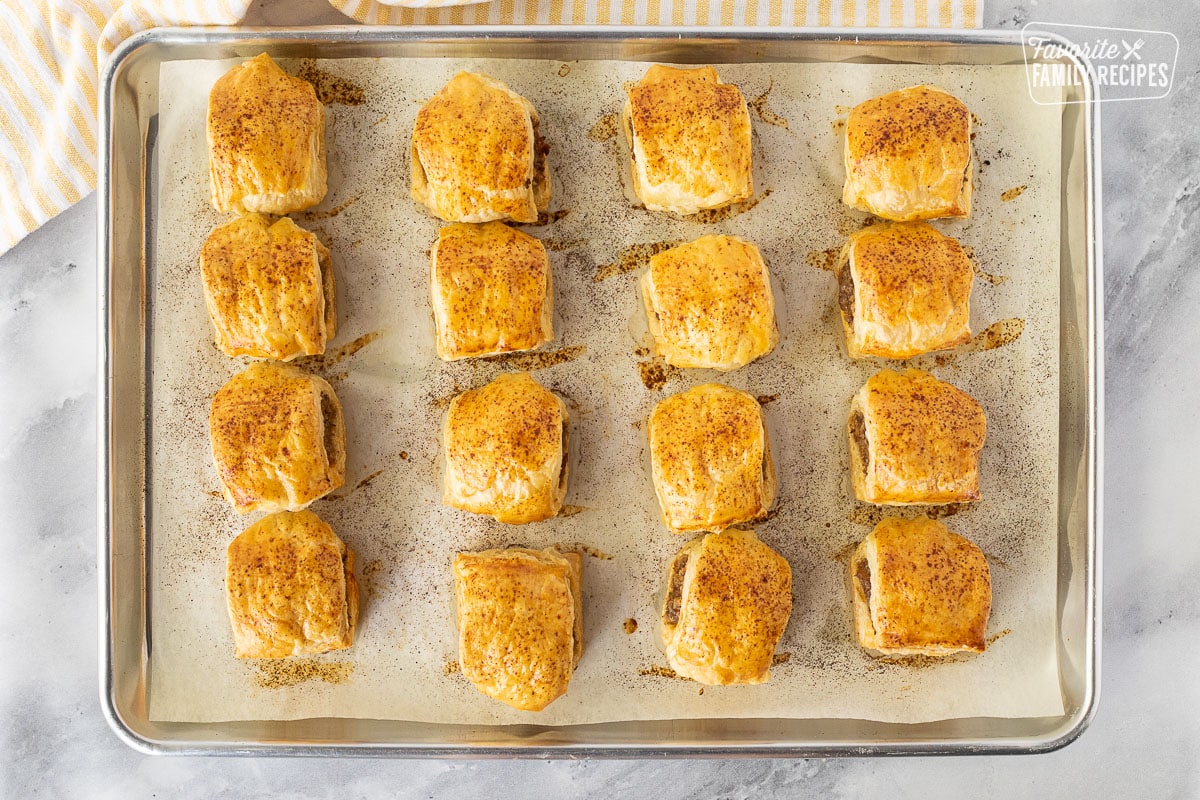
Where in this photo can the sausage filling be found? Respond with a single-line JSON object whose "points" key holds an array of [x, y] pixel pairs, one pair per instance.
{"points": [[328, 413], [674, 601], [862, 573], [562, 467], [846, 292], [858, 432], [325, 267]]}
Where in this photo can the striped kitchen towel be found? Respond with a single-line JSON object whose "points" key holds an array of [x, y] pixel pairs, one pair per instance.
{"points": [[753, 13], [51, 49]]}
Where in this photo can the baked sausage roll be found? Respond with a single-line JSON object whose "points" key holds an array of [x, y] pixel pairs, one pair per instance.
{"points": [[278, 438], [492, 291], [709, 304], [269, 289], [904, 289], [505, 447], [520, 623], [914, 440], [727, 604], [920, 590], [266, 140], [290, 588], [908, 155], [689, 140], [478, 153], [710, 459]]}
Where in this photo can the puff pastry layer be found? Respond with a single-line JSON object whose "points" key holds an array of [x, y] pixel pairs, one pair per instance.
{"points": [[290, 588], [727, 604], [266, 140], [920, 589], [269, 289], [493, 291], [709, 304], [914, 440], [710, 459], [505, 451], [908, 155], [520, 623], [689, 140], [904, 289], [277, 437], [478, 153]]}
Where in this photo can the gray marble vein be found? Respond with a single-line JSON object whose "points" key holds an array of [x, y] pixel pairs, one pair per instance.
{"points": [[1144, 743]]}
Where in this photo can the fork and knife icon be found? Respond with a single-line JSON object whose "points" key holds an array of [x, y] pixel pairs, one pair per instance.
{"points": [[1131, 50]]}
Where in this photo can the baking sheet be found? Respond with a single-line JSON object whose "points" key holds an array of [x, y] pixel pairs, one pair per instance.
{"points": [[394, 391]]}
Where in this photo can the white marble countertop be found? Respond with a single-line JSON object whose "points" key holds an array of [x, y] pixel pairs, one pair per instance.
{"points": [[1144, 742]]}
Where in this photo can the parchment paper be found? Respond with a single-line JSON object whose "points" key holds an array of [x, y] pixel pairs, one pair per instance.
{"points": [[395, 390]]}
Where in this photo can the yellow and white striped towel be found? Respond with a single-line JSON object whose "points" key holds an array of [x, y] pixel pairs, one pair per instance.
{"points": [[753, 13], [51, 49]]}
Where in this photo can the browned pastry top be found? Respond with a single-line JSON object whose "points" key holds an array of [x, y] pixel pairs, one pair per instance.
{"points": [[290, 588], [269, 288], [710, 459], [520, 623], [920, 588], [730, 608], [492, 291], [266, 138], [476, 155], [905, 289], [921, 437], [908, 155], [709, 303], [505, 450], [277, 437], [689, 138]]}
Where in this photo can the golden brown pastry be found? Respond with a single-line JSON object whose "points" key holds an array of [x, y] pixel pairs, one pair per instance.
{"points": [[269, 289], [505, 448], [290, 588], [277, 437], [908, 155], [904, 289], [710, 459], [478, 153], [914, 440], [709, 304], [266, 140], [689, 140], [727, 604], [493, 291], [520, 623], [920, 590]]}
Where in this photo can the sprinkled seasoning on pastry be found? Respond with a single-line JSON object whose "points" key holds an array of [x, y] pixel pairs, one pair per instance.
{"points": [[266, 140], [493, 291], [920, 589], [269, 289], [520, 623], [709, 304], [903, 289], [727, 603], [478, 153], [908, 155], [914, 440], [277, 438], [505, 451], [710, 459], [290, 588], [689, 140]]}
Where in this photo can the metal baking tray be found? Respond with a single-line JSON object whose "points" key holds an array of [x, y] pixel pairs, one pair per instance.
{"points": [[127, 114]]}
